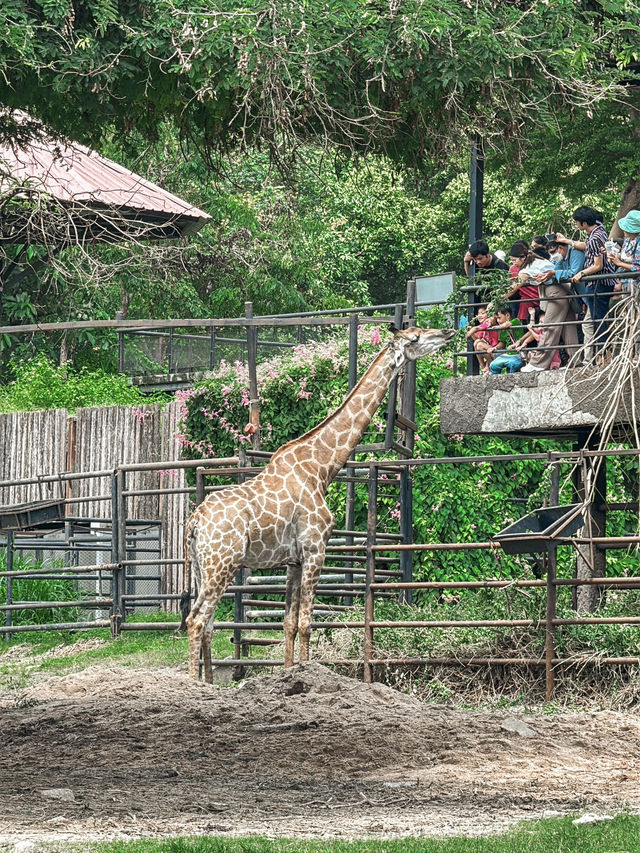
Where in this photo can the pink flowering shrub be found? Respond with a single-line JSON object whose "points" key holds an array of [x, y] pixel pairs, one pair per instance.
{"points": [[296, 391]]}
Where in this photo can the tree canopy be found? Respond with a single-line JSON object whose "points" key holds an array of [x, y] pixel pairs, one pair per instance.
{"points": [[410, 78]]}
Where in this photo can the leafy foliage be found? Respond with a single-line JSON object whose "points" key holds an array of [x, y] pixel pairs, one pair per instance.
{"points": [[295, 391], [408, 78], [39, 384]]}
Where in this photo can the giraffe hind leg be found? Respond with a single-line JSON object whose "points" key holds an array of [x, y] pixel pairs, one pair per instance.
{"points": [[194, 630], [206, 652], [310, 576]]}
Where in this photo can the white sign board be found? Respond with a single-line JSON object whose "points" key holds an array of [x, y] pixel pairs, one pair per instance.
{"points": [[435, 288]]}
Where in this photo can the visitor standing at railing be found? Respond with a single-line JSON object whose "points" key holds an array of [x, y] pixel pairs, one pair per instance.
{"points": [[557, 308], [597, 293], [485, 263], [523, 293], [629, 256], [567, 262]]}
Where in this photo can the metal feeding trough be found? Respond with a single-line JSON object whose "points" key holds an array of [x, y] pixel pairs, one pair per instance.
{"points": [[35, 514], [537, 531]]}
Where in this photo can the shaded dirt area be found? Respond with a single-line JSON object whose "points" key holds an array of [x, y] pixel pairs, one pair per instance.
{"points": [[303, 752]]}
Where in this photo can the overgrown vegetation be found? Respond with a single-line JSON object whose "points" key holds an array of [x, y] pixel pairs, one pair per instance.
{"points": [[40, 384]]}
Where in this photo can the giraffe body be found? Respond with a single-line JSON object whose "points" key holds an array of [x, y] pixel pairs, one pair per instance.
{"points": [[281, 517]]}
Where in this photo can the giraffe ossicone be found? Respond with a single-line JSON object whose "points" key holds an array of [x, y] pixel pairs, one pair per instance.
{"points": [[280, 517]]}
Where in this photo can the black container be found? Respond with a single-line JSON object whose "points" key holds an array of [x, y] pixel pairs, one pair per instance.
{"points": [[35, 514], [537, 531]]}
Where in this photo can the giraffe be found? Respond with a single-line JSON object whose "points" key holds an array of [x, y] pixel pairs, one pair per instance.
{"points": [[280, 517]]}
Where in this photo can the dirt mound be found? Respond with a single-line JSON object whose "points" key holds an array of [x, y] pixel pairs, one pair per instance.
{"points": [[302, 752], [107, 683]]}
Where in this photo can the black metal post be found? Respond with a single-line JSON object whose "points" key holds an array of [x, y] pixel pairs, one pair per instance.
{"points": [[199, 486], [476, 202], [408, 406], [120, 352], [406, 529], [390, 428], [241, 649], [349, 521], [171, 360], [252, 363], [476, 205], [122, 549], [212, 348], [114, 615], [552, 565], [369, 609]]}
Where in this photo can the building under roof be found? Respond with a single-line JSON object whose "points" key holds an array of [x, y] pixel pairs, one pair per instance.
{"points": [[69, 193]]}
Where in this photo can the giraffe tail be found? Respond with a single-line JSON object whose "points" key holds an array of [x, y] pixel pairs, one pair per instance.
{"points": [[185, 597], [185, 609]]}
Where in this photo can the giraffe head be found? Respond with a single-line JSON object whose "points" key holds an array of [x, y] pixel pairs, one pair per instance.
{"points": [[410, 344]]}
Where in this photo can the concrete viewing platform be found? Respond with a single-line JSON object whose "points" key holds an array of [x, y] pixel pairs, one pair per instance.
{"points": [[565, 404]]}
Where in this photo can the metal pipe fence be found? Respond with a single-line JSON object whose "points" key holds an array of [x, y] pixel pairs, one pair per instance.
{"points": [[163, 348], [378, 577]]}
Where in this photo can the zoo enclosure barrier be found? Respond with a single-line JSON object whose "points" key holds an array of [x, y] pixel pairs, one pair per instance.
{"points": [[380, 578], [118, 537], [166, 353]]}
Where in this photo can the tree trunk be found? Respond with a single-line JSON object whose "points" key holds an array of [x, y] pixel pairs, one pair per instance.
{"points": [[630, 199], [125, 299]]}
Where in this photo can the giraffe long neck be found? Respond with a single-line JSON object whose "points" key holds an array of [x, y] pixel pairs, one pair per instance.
{"points": [[329, 444]]}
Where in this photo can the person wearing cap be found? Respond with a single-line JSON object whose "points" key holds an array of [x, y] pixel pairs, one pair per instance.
{"points": [[629, 257]]}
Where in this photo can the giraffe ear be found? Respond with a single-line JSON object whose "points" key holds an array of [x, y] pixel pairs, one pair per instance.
{"points": [[392, 328]]}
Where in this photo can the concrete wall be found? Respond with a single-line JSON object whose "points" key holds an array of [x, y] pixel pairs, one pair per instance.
{"points": [[562, 403]]}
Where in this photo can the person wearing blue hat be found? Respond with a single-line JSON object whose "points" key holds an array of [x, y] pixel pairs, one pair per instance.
{"points": [[629, 257]]}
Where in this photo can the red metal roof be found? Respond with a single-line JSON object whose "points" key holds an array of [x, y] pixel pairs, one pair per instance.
{"points": [[74, 174]]}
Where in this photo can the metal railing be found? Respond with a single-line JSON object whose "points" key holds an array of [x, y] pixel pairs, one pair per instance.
{"points": [[469, 308], [369, 569]]}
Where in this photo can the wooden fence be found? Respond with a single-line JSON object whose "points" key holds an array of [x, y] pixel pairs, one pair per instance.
{"points": [[39, 445]]}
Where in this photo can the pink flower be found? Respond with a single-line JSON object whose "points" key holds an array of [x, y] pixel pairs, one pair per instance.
{"points": [[374, 336]]}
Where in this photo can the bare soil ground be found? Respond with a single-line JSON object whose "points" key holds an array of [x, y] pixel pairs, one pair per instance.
{"points": [[304, 752]]}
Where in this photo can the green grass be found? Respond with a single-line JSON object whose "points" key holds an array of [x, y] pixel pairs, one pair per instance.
{"points": [[135, 649], [620, 835]]}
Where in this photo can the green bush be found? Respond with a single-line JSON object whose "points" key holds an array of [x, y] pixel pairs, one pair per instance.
{"points": [[40, 384]]}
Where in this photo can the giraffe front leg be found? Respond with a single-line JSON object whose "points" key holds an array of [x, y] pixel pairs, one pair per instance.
{"points": [[311, 575], [292, 608]]}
